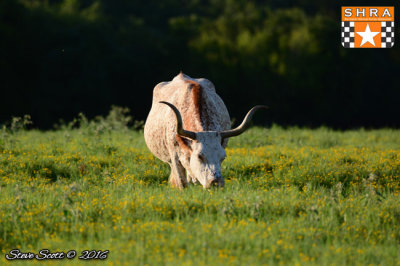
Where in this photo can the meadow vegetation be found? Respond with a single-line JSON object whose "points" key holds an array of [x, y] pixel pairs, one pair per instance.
{"points": [[292, 196]]}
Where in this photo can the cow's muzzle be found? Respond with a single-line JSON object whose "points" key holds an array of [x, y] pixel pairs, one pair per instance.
{"points": [[215, 182]]}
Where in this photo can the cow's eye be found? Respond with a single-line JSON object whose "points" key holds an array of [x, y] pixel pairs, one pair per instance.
{"points": [[200, 156]]}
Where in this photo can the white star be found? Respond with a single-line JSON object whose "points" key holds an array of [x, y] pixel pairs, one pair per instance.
{"points": [[367, 35]]}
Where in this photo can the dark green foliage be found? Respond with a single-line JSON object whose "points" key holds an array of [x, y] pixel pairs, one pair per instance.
{"points": [[62, 57]]}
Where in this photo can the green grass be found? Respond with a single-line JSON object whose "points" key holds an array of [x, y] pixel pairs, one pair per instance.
{"points": [[291, 196]]}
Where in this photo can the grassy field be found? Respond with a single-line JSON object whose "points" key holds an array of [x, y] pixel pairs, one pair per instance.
{"points": [[292, 196]]}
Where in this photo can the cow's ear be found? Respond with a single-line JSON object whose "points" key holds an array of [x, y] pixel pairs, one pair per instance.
{"points": [[184, 143], [224, 142]]}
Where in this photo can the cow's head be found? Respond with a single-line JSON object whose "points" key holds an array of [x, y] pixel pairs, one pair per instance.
{"points": [[207, 152]]}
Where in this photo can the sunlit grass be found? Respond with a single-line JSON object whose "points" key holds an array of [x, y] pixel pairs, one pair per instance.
{"points": [[291, 196]]}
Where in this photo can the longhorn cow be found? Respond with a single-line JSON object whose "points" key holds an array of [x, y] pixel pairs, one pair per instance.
{"points": [[188, 127]]}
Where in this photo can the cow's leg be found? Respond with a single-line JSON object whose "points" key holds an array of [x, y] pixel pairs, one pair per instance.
{"points": [[190, 179], [178, 174]]}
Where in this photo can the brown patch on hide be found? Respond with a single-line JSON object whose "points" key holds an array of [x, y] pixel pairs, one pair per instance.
{"points": [[196, 117], [182, 144]]}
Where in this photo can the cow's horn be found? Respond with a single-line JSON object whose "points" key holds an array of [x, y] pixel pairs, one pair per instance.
{"points": [[244, 125], [179, 123]]}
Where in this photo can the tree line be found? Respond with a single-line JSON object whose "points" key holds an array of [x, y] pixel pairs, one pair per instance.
{"points": [[62, 57]]}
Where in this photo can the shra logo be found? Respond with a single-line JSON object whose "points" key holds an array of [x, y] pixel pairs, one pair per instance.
{"points": [[367, 27]]}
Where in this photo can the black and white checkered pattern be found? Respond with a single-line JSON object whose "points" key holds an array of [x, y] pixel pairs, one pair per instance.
{"points": [[387, 34], [348, 34]]}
